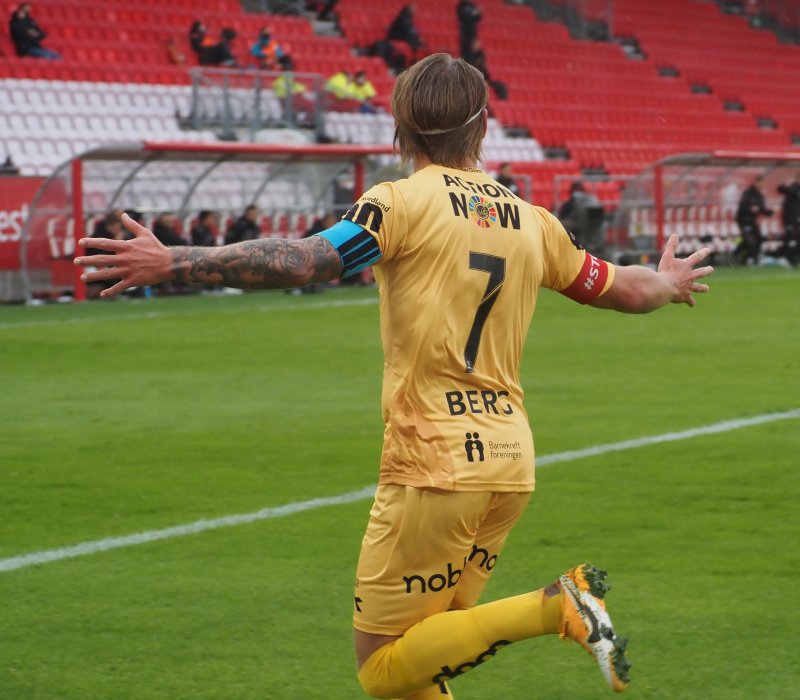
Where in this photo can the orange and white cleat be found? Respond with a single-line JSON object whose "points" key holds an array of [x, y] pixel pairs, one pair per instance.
{"points": [[585, 620]]}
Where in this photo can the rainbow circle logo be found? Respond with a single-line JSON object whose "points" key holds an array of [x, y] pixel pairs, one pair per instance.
{"points": [[482, 211]]}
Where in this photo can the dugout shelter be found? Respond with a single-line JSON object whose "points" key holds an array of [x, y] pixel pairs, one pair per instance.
{"points": [[290, 184], [696, 196]]}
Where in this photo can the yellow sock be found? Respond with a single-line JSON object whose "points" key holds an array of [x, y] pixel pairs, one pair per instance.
{"points": [[449, 644]]}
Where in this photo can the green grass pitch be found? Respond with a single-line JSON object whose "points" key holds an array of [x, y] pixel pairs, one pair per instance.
{"points": [[123, 417]]}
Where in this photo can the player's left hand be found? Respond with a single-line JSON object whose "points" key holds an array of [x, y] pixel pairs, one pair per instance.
{"points": [[139, 262], [683, 272]]}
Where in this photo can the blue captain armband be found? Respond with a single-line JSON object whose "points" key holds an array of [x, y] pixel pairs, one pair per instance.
{"points": [[357, 248]]}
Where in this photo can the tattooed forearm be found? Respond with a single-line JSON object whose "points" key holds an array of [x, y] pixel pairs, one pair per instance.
{"points": [[268, 263]]}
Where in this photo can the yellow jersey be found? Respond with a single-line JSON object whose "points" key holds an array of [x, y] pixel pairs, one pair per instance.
{"points": [[459, 261]]}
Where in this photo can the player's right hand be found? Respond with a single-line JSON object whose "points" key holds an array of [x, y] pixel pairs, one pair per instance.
{"points": [[139, 262]]}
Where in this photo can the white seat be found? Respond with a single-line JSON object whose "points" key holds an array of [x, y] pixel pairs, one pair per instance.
{"points": [[37, 123]]}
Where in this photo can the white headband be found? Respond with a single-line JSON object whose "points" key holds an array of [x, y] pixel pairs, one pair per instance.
{"points": [[431, 132]]}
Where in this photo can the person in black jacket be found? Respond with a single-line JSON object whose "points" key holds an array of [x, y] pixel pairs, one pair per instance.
{"points": [[27, 35], [469, 16], [7, 167], [582, 215], [477, 57], [165, 230], [198, 40], [204, 232], [751, 206], [245, 228], [402, 28], [790, 217], [207, 51], [506, 178]]}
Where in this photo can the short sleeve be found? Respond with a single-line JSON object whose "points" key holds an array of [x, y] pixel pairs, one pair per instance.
{"points": [[381, 213], [569, 269]]}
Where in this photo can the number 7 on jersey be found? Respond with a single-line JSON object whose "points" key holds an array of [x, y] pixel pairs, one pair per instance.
{"points": [[496, 267]]}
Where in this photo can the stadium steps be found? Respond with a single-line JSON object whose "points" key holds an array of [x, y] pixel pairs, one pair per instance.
{"points": [[737, 62], [580, 99]]}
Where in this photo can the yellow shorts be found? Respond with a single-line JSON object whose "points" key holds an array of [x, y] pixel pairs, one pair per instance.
{"points": [[426, 551]]}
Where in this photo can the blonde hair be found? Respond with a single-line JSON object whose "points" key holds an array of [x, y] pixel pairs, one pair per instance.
{"points": [[442, 96]]}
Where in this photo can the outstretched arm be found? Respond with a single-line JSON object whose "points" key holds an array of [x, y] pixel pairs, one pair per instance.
{"points": [[266, 263], [638, 289]]}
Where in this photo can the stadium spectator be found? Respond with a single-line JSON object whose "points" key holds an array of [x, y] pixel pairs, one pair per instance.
{"points": [[297, 107], [174, 53], [790, 217], [582, 214], [245, 228], [363, 91], [397, 61], [137, 216], [506, 178], [286, 84], [269, 54], [340, 85], [204, 232], [200, 42], [8, 167], [342, 194], [223, 53], [110, 226], [400, 47], [751, 206], [209, 52], [477, 57], [165, 229], [27, 35], [203, 45], [469, 16], [445, 505], [403, 29]]}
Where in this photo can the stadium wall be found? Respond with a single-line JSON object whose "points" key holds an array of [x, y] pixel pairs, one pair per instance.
{"points": [[16, 195]]}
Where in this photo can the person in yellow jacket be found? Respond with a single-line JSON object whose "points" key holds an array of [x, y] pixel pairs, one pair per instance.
{"points": [[296, 106], [285, 84], [341, 85], [363, 90]]}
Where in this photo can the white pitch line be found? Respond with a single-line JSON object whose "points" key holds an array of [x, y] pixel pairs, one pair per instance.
{"points": [[712, 429], [96, 546], [333, 304]]}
